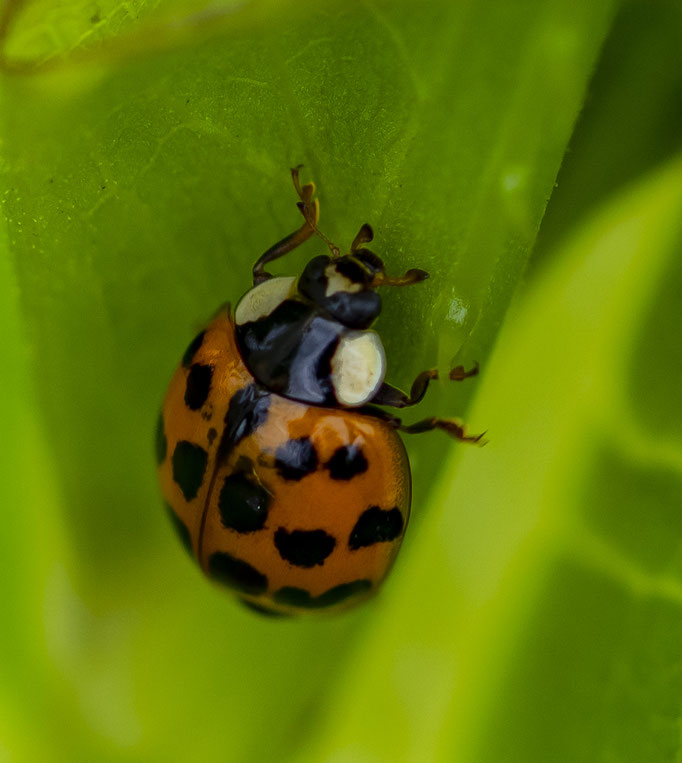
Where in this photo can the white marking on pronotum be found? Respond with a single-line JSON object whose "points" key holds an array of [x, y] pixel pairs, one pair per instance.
{"points": [[358, 367], [264, 298]]}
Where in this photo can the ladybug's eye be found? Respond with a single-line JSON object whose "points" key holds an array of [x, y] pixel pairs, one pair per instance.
{"points": [[371, 261]]}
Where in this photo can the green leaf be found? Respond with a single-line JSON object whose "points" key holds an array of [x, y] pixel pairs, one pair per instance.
{"points": [[145, 164], [545, 590], [631, 122]]}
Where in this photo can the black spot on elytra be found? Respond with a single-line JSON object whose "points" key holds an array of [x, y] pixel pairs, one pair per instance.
{"points": [[347, 462], [236, 573], [298, 597], [376, 526], [243, 501], [248, 409], [198, 386], [191, 350], [161, 444], [180, 528], [342, 592], [304, 548], [189, 465], [211, 434], [294, 597], [296, 458], [262, 610]]}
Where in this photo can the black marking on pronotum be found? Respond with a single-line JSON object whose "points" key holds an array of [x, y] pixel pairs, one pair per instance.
{"points": [[290, 350], [299, 597], [236, 573], [180, 528], [161, 443], [189, 465], [198, 385], [304, 548], [268, 344], [191, 350], [376, 525], [296, 458], [243, 502], [347, 462]]}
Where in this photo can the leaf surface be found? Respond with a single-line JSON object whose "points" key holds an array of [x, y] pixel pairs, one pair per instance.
{"points": [[545, 590], [145, 165]]}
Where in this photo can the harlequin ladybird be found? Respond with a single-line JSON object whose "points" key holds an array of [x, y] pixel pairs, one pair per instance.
{"points": [[281, 476]]}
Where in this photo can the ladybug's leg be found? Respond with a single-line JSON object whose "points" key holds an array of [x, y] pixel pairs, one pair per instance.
{"points": [[279, 250], [395, 398], [459, 373], [449, 426], [365, 235], [414, 275], [377, 413], [310, 209]]}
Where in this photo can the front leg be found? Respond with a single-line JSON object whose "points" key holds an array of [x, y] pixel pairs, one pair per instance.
{"points": [[396, 398], [310, 209]]}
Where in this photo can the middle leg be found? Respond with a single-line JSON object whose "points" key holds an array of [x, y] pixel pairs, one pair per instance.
{"points": [[451, 427], [396, 398]]}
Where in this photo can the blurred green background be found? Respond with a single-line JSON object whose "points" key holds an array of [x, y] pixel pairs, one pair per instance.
{"points": [[528, 155]]}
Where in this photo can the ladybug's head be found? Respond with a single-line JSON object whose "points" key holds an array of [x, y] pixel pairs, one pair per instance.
{"points": [[345, 286], [306, 338]]}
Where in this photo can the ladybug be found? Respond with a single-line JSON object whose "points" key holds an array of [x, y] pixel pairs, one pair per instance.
{"points": [[280, 474]]}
